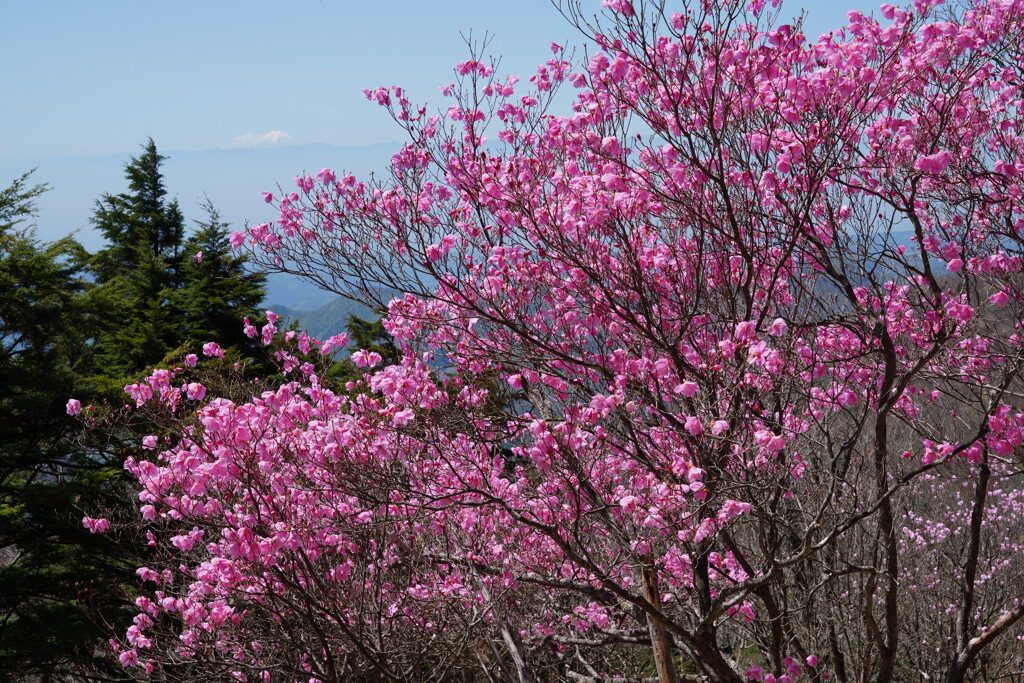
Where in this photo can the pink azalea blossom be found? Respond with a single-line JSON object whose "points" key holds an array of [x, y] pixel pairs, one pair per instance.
{"points": [[96, 526], [213, 349], [1000, 298], [366, 359], [934, 163]]}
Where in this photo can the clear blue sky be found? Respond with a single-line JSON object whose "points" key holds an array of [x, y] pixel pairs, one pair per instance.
{"points": [[98, 77]]}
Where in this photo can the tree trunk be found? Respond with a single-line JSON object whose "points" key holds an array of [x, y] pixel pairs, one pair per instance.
{"points": [[661, 639], [515, 647], [964, 654]]}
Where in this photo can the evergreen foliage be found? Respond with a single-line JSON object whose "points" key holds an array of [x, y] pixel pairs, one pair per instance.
{"points": [[369, 335], [216, 288], [75, 324], [49, 566], [157, 294], [139, 268]]}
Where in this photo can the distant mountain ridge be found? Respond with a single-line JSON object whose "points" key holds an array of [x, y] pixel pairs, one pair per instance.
{"points": [[326, 320], [233, 179]]}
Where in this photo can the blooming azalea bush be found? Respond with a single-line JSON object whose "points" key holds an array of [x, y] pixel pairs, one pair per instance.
{"points": [[717, 376]]}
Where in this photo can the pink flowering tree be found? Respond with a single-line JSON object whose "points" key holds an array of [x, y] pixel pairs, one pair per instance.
{"points": [[714, 377]]}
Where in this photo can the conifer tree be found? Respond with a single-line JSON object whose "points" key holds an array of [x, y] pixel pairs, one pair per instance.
{"points": [[216, 290], [139, 268], [157, 293], [140, 222], [49, 566], [72, 324]]}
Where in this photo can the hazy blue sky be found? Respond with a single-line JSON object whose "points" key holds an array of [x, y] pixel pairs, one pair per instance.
{"points": [[98, 77]]}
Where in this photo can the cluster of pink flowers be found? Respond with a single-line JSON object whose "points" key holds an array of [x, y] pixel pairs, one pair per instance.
{"points": [[657, 381]]}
